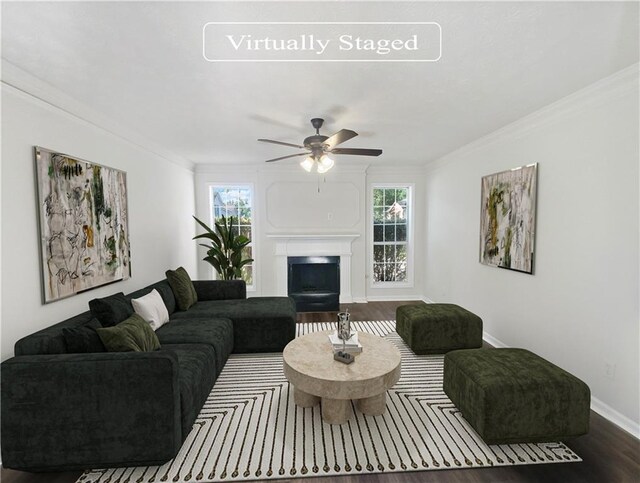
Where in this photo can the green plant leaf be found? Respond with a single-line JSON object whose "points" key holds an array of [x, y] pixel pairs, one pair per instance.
{"points": [[225, 252]]}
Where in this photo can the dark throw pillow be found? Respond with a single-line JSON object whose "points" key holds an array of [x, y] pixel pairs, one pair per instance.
{"points": [[132, 334], [111, 310], [83, 339], [182, 287]]}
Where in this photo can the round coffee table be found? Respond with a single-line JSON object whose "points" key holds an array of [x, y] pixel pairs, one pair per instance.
{"points": [[309, 366]]}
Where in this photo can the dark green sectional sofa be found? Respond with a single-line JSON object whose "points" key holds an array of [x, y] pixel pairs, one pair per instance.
{"points": [[63, 411]]}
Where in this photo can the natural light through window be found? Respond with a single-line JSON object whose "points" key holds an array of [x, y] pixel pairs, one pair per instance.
{"points": [[391, 233], [236, 202]]}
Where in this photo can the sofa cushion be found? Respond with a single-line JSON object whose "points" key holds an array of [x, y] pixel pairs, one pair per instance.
{"points": [[83, 339], [218, 333], [182, 287], [220, 289], [151, 308], [50, 340], [111, 310], [163, 288], [260, 324], [132, 334], [197, 373]]}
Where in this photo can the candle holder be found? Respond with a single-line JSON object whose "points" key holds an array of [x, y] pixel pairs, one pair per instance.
{"points": [[344, 333], [344, 325]]}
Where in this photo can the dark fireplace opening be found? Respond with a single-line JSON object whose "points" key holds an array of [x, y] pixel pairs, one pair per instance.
{"points": [[314, 283]]}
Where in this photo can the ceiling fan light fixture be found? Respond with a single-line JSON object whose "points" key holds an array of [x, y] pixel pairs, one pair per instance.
{"points": [[318, 145], [308, 164], [325, 164]]}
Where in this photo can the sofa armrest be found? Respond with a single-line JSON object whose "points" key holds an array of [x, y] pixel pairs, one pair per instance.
{"points": [[220, 289], [79, 411]]}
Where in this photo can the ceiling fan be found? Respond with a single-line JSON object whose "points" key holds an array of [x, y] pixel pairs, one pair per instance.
{"points": [[319, 147]]}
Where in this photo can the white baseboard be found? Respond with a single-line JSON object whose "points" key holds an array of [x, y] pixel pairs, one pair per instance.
{"points": [[391, 298], [427, 300], [492, 340], [359, 300], [620, 420]]}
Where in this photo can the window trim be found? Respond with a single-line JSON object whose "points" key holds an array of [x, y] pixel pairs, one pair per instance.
{"points": [[409, 282], [250, 186]]}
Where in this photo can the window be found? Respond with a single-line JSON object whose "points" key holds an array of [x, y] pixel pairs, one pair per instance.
{"points": [[391, 233], [236, 202]]}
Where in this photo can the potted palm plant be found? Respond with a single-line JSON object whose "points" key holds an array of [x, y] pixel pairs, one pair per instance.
{"points": [[225, 251]]}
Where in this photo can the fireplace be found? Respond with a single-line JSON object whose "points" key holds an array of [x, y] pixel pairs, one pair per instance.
{"points": [[289, 245], [314, 283]]}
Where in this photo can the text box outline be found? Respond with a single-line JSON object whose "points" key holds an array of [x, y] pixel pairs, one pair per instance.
{"points": [[204, 55]]}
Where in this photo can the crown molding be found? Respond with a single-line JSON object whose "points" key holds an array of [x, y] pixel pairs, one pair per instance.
{"points": [[605, 90], [207, 168], [403, 170], [34, 89]]}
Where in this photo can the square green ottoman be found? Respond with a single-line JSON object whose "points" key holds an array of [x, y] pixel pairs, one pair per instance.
{"points": [[438, 328], [515, 396]]}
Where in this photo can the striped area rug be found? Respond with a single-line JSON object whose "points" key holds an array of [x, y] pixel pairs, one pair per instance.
{"points": [[250, 429]]}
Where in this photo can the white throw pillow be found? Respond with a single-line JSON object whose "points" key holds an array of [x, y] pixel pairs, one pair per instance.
{"points": [[151, 308]]}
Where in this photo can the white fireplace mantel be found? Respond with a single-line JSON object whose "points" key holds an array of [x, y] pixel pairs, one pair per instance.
{"points": [[310, 245]]}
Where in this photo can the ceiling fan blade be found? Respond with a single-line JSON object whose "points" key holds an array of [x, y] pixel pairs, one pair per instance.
{"points": [[339, 137], [280, 142], [357, 151], [285, 157]]}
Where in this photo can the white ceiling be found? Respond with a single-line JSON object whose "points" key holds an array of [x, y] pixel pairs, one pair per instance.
{"points": [[141, 64]]}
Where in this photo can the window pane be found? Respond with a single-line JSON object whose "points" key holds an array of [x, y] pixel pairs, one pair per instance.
{"points": [[378, 197], [401, 253], [400, 272], [245, 214], [245, 230], [388, 273], [378, 253], [378, 233], [401, 196], [389, 253], [401, 232], [378, 215], [389, 196], [388, 214], [247, 274], [378, 272], [389, 233]]}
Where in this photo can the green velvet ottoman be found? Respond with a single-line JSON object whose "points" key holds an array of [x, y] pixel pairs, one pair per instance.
{"points": [[438, 328], [515, 396]]}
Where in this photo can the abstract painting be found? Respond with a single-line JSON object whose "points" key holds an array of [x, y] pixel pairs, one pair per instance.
{"points": [[508, 218], [84, 233]]}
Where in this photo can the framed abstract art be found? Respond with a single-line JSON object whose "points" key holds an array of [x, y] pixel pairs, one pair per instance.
{"points": [[508, 218], [84, 234]]}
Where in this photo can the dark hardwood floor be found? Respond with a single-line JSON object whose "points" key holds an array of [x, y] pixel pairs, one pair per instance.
{"points": [[610, 455]]}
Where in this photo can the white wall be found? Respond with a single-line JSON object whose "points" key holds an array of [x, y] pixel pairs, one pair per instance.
{"points": [[580, 308], [160, 201], [287, 201]]}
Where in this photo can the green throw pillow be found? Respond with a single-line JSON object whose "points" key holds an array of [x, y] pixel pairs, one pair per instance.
{"points": [[132, 334], [182, 287]]}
